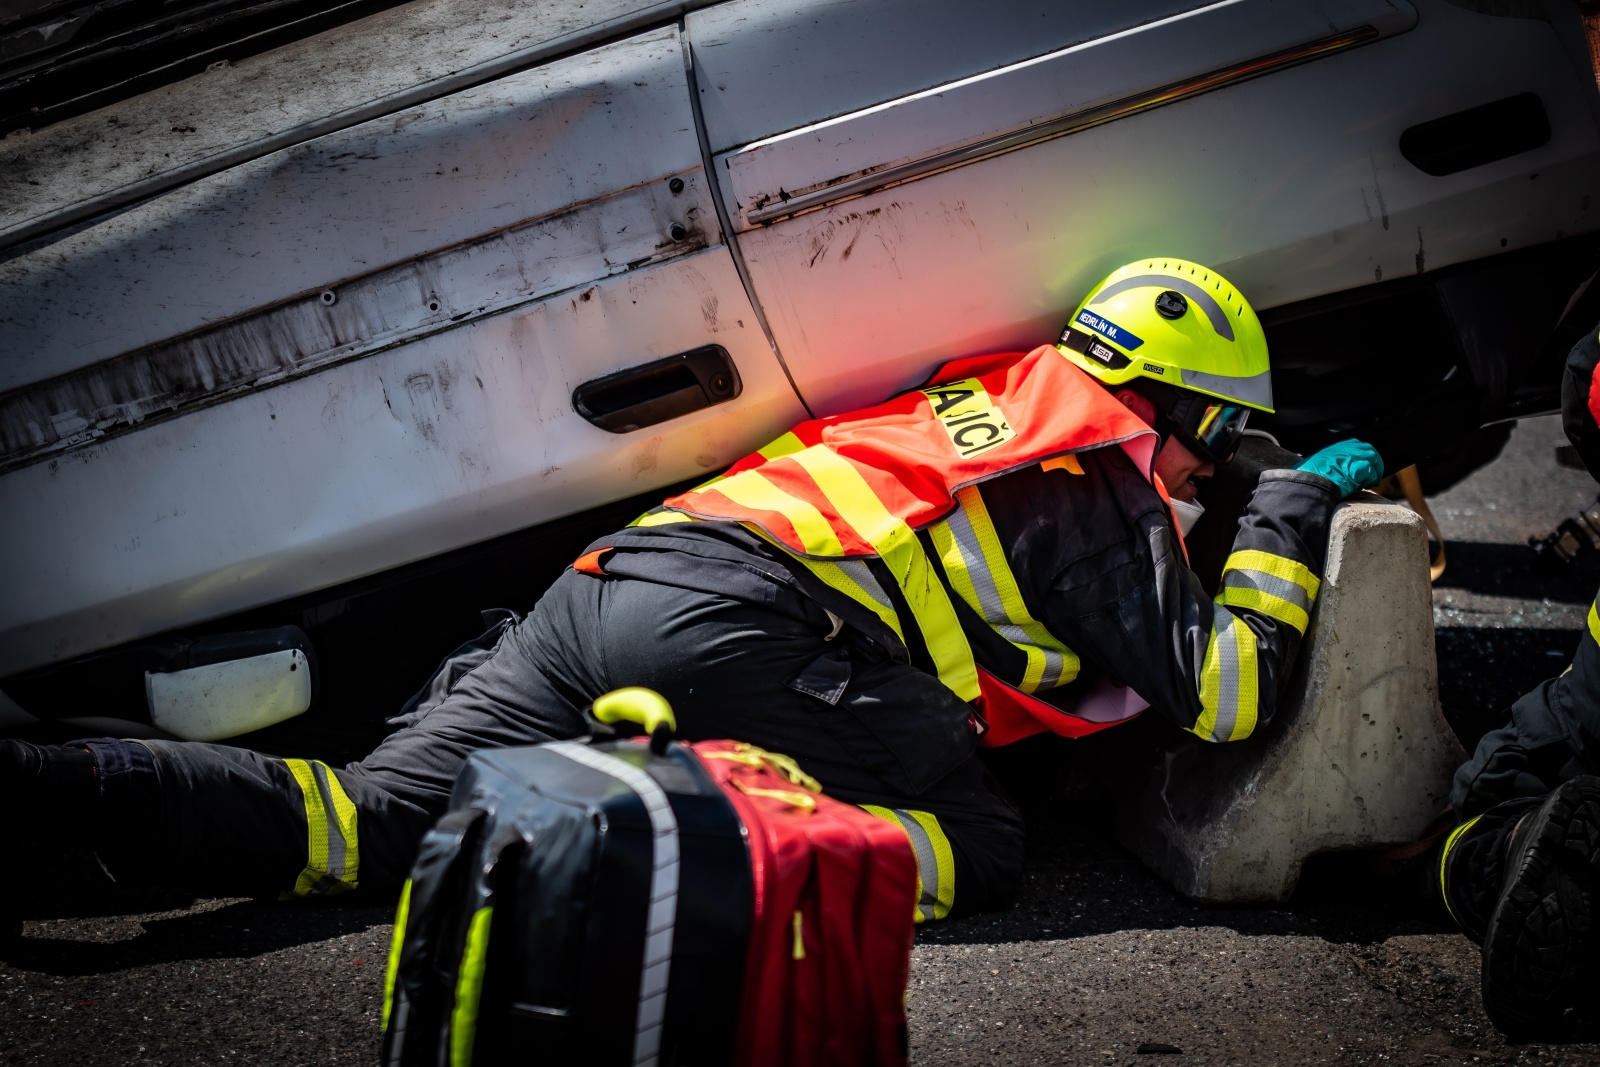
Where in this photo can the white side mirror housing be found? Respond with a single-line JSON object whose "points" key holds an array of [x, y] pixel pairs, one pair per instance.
{"points": [[237, 696]]}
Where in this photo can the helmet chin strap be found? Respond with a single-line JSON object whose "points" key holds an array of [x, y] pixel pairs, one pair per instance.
{"points": [[1163, 428], [1157, 418]]}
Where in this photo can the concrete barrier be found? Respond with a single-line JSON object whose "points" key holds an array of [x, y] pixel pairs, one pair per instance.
{"points": [[1358, 755]]}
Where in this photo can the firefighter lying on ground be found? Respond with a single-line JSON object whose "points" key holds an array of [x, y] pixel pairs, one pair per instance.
{"points": [[1521, 872], [874, 594]]}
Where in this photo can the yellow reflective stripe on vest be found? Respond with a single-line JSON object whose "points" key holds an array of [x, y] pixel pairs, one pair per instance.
{"points": [[975, 563], [852, 577], [1276, 586], [660, 517], [469, 989], [396, 943], [1594, 622], [332, 847], [751, 489], [787, 445], [900, 550], [1228, 680], [936, 865]]}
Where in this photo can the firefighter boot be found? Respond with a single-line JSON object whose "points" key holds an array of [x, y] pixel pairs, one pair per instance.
{"points": [[1524, 881]]}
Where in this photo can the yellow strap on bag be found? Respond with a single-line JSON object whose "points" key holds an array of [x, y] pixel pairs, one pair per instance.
{"points": [[469, 988], [402, 914], [792, 797], [752, 756]]}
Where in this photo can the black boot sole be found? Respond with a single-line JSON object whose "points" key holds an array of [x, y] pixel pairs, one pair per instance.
{"points": [[1541, 952]]}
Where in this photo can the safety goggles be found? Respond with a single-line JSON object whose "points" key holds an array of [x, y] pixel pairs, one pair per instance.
{"points": [[1210, 428]]}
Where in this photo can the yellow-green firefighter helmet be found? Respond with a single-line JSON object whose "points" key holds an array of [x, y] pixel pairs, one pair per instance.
{"points": [[1175, 322]]}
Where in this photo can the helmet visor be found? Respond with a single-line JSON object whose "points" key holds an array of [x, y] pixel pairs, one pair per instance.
{"points": [[1212, 429]]}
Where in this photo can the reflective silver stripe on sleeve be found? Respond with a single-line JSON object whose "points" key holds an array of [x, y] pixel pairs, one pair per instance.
{"points": [[663, 893], [1249, 578], [1228, 688]]}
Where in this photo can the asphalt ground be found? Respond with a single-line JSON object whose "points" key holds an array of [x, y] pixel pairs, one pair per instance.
{"points": [[1096, 958]]}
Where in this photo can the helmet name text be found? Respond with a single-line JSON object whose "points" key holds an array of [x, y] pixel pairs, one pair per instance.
{"points": [[1109, 330]]}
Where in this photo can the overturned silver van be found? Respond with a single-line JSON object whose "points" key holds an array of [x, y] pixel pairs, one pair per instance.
{"points": [[380, 323]]}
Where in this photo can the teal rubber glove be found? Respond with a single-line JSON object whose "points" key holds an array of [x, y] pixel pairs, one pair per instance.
{"points": [[1350, 465]]}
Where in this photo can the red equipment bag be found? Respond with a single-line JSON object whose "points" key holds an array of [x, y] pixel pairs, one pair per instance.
{"points": [[835, 892], [654, 904]]}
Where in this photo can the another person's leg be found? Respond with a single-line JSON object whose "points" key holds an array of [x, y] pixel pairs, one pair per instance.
{"points": [[1552, 737], [1519, 874]]}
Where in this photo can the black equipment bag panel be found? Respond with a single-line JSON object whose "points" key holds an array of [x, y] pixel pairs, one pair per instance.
{"points": [[578, 903]]}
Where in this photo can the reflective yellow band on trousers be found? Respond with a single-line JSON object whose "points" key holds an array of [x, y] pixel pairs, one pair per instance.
{"points": [[1275, 586], [396, 942], [936, 865], [900, 550], [1229, 684], [975, 563], [469, 988], [332, 847], [1450, 843]]}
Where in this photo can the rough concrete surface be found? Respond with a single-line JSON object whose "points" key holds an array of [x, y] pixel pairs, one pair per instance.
{"points": [[1358, 755], [1097, 957]]}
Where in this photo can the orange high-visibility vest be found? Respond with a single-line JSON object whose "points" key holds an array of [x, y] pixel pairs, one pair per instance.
{"points": [[835, 491]]}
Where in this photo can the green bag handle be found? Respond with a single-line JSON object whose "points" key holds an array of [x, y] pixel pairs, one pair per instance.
{"points": [[643, 707]]}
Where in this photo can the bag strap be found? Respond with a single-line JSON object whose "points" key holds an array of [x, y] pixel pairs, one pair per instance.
{"points": [[442, 853], [464, 1038]]}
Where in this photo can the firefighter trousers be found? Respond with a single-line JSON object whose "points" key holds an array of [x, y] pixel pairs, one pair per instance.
{"points": [[1552, 737], [874, 732]]}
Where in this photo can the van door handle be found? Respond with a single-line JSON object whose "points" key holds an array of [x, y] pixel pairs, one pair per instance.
{"points": [[663, 389]]}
